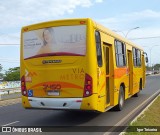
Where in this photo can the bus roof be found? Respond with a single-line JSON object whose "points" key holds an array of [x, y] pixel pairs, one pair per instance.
{"points": [[117, 36]]}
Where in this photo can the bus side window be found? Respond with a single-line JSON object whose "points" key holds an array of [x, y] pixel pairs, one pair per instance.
{"points": [[137, 57], [98, 48], [120, 49]]}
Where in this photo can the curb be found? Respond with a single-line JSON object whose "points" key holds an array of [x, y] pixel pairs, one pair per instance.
{"points": [[135, 119], [130, 116], [141, 113]]}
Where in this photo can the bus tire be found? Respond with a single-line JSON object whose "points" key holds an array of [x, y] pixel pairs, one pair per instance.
{"points": [[136, 95], [120, 105]]}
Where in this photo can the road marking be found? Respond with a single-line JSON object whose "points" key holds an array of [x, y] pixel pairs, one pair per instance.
{"points": [[11, 123], [127, 116]]}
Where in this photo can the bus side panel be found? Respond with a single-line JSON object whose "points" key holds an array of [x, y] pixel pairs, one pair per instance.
{"points": [[101, 77], [144, 71], [137, 74], [121, 78]]}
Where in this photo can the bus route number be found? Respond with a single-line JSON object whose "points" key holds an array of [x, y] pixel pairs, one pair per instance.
{"points": [[52, 86]]}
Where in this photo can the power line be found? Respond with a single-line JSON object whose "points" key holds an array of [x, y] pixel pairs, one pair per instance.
{"points": [[8, 35], [1, 44], [144, 38], [9, 61]]}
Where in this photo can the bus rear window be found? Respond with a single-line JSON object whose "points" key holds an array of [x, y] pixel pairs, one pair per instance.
{"points": [[55, 41]]}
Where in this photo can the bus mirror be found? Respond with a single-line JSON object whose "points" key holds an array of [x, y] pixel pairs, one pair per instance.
{"points": [[146, 56], [146, 59]]}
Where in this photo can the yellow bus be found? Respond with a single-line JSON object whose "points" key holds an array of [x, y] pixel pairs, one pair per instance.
{"points": [[77, 64]]}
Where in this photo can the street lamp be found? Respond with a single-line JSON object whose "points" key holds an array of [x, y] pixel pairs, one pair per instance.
{"points": [[125, 35], [131, 30], [150, 51], [119, 31]]}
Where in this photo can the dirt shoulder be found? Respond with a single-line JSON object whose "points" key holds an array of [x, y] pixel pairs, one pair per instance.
{"points": [[10, 101]]}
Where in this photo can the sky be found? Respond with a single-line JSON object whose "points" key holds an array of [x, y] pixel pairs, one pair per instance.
{"points": [[121, 16]]}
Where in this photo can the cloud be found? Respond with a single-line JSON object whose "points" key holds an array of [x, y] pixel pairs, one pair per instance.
{"points": [[121, 21], [98, 1], [148, 21], [144, 14], [10, 38], [18, 12]]}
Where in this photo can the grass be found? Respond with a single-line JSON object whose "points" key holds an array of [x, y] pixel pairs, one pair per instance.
{"points": [[151, 117]]}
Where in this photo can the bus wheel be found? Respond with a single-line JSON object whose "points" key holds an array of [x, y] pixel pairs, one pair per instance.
{"points": [[120, 100], [136, 95]]}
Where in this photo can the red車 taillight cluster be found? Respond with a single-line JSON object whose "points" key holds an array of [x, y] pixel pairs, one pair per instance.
{"points": [[88, 86], [23, 86]]}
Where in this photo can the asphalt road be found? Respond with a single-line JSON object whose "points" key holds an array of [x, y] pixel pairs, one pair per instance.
{"points": [[16, 115]]}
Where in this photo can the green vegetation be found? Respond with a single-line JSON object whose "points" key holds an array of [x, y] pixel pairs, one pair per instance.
{"points": [[155, 67], [13, 74], [151, 117], [1, 74]]}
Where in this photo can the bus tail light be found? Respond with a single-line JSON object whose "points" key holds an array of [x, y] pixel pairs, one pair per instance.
{"points": [[87, 86], [23, 86]]}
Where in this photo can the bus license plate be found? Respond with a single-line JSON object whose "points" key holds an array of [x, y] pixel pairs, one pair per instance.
{"points": [[53, 93]]}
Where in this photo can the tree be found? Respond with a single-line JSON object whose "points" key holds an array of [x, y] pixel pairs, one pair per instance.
{"points": [[156, 66], [148, 68], [1, 67], [13, 74], [1, 74]]}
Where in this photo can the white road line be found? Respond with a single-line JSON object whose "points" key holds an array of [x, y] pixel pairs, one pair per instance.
{"points": [[127, 116], [11, 123]]}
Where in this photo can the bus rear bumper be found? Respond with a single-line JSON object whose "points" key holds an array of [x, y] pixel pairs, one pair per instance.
{"points": [[55, 103]]}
